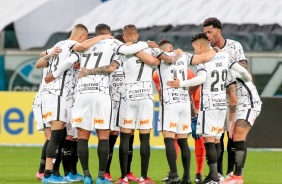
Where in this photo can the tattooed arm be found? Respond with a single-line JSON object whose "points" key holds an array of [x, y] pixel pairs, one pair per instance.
{"points": [[100, 70], [231, 92]]}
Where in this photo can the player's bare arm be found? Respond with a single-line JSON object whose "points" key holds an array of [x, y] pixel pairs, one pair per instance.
{"points": [[205, 57], [195, 81], [147, 58], [90, 42], [100, 70], [231, 92], [171, 59], [244, 64], [193, 108], [152, 44], [43, 61]]}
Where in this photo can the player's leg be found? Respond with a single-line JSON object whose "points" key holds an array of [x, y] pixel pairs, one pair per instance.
{"points": [[200, 154], [126, 120], [130, 174], [57, 163], [220, 152], [207, 127], [41, 168], [168, 123], [231, 157], [112, 141], [82, 120], [145, 124], [102, 121], [53, 109]]}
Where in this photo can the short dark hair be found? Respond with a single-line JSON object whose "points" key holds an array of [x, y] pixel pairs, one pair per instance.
{"points": [[102, 29], [164, 41], [199, 36], [129, 28], [212, 21], [120, 38], [81, 26]]}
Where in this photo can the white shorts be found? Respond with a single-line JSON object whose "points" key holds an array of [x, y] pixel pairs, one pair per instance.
{"points": [[175, 118], [249, 115], [92, 111], [210, 123], [136, 114], [37, 113], [115, 114], [54, 108]]}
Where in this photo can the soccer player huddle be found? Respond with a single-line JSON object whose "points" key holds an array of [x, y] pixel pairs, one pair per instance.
{"points": [[105, 84]]}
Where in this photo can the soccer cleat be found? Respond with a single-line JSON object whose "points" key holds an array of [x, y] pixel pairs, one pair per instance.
{"points": [[166, 178], [103, 181], [39, 176], [122, 181], [234, 180], [209, 180], [108, 176], [54, 179], [79, 177], [88, 180], [221, 178], [145, 181], [173, 180], [185, 180], [131, 177], [70, 177], [228, 175], [198, 178]]}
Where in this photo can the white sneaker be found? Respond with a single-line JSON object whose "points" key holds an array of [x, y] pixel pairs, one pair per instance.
{"points": [[220, 177], [229, 175]]}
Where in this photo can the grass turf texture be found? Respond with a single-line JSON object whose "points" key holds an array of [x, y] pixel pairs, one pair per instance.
{"points": [[18, 165]]}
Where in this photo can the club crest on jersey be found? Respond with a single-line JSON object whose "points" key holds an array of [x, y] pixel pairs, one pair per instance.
{"points": [[179, 63]]}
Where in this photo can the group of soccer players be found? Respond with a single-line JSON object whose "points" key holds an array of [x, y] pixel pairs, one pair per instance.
{"points": [[103, 85]]}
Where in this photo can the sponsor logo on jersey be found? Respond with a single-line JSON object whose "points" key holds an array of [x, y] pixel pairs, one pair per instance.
{"points": [[127, 121], [185, 127], [144, 122], [98, 121], [213, 129], [219, 130], [172, 125], [45, 116], [76, 120]]}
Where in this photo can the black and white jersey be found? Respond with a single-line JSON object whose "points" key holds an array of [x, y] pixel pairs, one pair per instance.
{"points": [[137, 83], [167, 72], [213, 91], [247, 94], [63, 84], [116, 81], [100, 54]]}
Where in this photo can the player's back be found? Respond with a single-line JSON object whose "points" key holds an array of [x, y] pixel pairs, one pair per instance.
{"points": [[167, 72], [213, 92], [100, 54], [62, 85], [137, 83]]}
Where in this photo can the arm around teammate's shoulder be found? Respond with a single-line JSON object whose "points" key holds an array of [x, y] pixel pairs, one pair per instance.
{"points": [[90, 42], [203, 58], [147, 58]]}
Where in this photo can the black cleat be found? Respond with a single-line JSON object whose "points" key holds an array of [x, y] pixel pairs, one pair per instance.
{"points": [[185, 181], [173, 181], [209, 180], [198, 178], [166, 178]]}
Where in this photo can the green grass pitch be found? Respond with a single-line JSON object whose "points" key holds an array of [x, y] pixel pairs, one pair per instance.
{"points": [[18, 165]]}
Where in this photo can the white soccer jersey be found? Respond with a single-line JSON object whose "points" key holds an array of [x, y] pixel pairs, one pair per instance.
{"points": [[213, 92], [177, 69], [63, 84], [247, 94], [116, 79], [137, 84], [100, 54]]}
